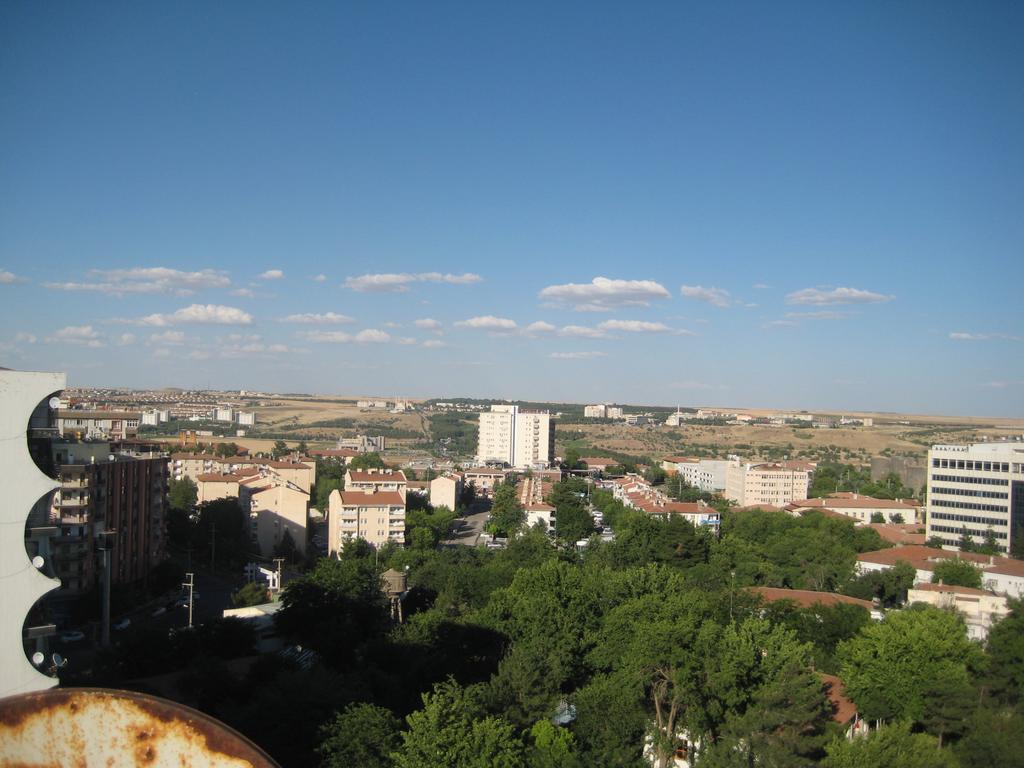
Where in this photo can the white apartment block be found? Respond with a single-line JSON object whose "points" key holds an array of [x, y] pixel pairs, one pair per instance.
{"points": [[773, 483], [520, 438], [979, 487], [445, 491], [707, 475], [376, 481], [594, 411], [980, 608], [224, 414], [246, 418]]}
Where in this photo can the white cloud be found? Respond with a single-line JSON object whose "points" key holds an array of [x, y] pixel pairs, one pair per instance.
{"points": [[406, 341], [79, 335], [819, 297], [634, 326], [718, 297], [427, 323], [9, 278], [433, 344], [25, 338], [325, 318], [118, 282], [168, 338], [367, 336], [488, 323], [247, 293], [581, 331], [964, 336], [161, 352], [125, 339], [398, 282], [271, 274], [780, 324], [761, 286], [577, 355], [603, 294], [205, 314], [320, 278], [538, 327]]}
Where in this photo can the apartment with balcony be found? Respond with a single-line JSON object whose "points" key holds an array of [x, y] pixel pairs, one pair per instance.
{"points": [[375, 516]]}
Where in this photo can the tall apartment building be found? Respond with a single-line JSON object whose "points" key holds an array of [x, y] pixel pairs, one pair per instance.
{"points": [[518, 437], [775, 483], [106, 488], [979, 488]]}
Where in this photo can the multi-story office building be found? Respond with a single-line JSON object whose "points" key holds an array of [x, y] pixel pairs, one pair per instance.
{"points": [[774, 483], [705, 474], [517, 437], [978, 488]]}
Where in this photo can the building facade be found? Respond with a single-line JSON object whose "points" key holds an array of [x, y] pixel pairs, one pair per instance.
{"points": [[978, 488], [517, 437], [773, 483]]}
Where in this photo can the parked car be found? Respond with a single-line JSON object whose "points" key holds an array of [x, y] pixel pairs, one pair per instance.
{"points": [[72, 636], [123, 624]]}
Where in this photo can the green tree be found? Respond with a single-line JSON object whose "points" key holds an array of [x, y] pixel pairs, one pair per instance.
{"points": [[453, 731], [507, 515], [253, 593], [893, 746], [966, 540], [934, 542], [182, 494], [948, 703], [226, 450], [610, 721], [890, 665], [571, 459], [1006, 657], [994, 737], [784, 726], [367, 461], [991, 545], [362, 735], [572, 518], [877, 517], [957, 572], [552, 747], [280, 449], [302, 448]]}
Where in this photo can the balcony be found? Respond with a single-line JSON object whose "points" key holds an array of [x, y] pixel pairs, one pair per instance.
{"points": [[72, 502]]}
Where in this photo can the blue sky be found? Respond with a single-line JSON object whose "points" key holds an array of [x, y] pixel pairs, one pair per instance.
{"points": [[793, 205]]}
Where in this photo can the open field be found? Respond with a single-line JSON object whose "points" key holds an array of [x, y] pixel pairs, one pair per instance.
{"points": [[321, 420]]}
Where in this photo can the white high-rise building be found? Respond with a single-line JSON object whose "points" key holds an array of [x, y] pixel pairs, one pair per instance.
{"points": [[775, 483], [520, 438], [979, 487]]}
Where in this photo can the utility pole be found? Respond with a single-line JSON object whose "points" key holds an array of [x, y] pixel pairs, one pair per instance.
{"points": [[190, 584], [213, 544], [105, 549]]}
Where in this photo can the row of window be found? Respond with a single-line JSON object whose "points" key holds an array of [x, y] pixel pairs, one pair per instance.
{"points": [[948, 529], [969, 492], [975, 480], [991, 521], [968, 505], [977, 466]]}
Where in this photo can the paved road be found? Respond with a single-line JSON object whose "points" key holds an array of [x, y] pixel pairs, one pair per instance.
{"points": [[467, 530]]}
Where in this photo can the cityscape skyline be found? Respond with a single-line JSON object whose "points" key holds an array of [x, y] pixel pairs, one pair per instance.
{"points": [[793, 208]]}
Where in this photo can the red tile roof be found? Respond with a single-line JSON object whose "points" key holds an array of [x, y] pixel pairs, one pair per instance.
{"points": [[378, 499], [853, 501], [806, 598], [843, 710], [899, 534], [216, 477]]}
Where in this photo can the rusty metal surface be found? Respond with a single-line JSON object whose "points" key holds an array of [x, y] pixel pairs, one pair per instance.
{"points": [[91, 727]]}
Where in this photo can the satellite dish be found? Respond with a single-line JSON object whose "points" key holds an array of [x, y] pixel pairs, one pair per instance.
{"points": [[59, 661], [38, 658], [38, 561], [54, 403]]}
